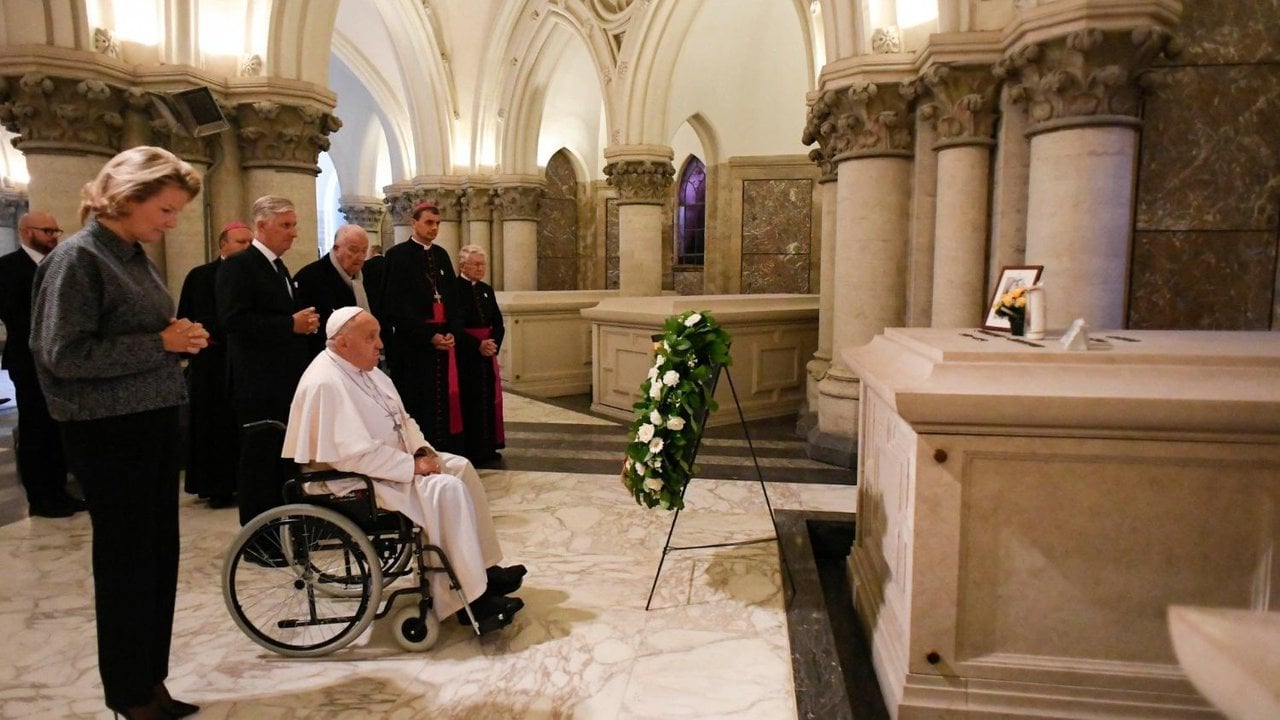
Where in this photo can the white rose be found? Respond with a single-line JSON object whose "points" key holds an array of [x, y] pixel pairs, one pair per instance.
{"points": [[653, 373], [645, 433], [653, 484], [655, 417], [670, 378], [655, 445], [655, 390], [675, 423], [692, 320]]}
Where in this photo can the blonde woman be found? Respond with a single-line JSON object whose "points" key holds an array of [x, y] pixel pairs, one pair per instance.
{"points": [[107, 349]]}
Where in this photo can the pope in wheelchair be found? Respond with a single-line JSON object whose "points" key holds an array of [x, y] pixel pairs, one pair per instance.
{"points": [[347, 418]]}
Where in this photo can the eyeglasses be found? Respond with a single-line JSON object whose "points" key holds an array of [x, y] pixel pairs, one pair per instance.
{"points": [[52, 232]]}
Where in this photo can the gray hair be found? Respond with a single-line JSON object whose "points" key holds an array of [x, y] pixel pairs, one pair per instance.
{"points": [[347, 231], [267, 206], [465, 253]]}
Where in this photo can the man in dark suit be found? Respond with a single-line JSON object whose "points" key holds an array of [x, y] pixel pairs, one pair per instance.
{"points": [[335, 280], [418, 276], [41, 464], [213, 441], [266, 329]]}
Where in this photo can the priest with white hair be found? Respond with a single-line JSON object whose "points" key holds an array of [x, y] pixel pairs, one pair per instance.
{"points": [[346, 415]]}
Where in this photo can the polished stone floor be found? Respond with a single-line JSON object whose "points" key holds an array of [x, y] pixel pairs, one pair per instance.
{"points": [[715, 643]]}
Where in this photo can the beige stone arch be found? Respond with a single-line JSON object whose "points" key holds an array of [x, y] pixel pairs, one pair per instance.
{"points": [[537, 52], [299, 35]]}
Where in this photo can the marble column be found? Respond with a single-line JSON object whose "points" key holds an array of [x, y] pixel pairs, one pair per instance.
{"points": [[868, 128], [400, 198], [366, 212], [642, 175], [13, 205], [519, 197], [1082, 96], [477, 203], [959, 102], [279, 145]]}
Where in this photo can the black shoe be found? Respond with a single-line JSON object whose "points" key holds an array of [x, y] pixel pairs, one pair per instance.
{"points": [[174, 707], [504, 580], [492, 613], [217, 502], [54, 509]]}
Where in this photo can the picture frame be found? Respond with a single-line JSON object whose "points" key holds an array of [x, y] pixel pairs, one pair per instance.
{"points": [[1011, 276]]}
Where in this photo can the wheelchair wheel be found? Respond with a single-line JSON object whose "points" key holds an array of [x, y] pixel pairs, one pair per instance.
{"points": [[416, 628], [279, 575], [392, 555]]}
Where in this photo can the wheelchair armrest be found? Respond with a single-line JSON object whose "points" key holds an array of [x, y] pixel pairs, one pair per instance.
{"points": [[293, 486]]}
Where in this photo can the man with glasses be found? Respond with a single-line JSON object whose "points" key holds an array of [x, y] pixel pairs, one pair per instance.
{"points": [[41, 464]]}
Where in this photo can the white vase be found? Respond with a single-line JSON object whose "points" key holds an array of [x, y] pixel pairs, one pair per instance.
{"points": [[1035, 312]]}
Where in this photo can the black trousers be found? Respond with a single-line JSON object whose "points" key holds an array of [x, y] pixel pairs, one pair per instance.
{"points": [[41, 463], [128, 467]]}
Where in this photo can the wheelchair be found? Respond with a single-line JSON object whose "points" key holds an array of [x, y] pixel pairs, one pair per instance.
{"points": [[307, 578]]}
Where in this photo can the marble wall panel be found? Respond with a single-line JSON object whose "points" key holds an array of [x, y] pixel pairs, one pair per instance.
{"points": [[1229, 31], [773, 273], [557, 273], [1201, 125], [777, 216], [611, 234], [558, 227], [688, 280], [1200, 280]]}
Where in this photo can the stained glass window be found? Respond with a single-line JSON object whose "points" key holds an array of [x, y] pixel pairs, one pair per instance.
{"points": [[691, 213]]}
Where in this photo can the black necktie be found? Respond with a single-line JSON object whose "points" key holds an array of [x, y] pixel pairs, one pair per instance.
{"points": [[288, 284]]}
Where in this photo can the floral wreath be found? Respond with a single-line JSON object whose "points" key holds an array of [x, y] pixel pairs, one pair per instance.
{"points": [[675, 395]]}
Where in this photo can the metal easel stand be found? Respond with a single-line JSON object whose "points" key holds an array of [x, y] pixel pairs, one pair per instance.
{"points": [[668, 547]]}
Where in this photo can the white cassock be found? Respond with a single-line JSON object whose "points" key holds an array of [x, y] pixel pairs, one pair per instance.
{"points": [[352, 420]]}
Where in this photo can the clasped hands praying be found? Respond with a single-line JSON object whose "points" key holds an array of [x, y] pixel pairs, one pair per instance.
{"points": [[184, 336], [426, 462]]}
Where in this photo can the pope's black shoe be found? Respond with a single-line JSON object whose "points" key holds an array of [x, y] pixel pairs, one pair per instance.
{"points": [[492, 613], [504, 580]]}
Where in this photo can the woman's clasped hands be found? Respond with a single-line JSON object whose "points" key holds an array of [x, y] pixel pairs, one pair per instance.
{"points": [[184, 336]]}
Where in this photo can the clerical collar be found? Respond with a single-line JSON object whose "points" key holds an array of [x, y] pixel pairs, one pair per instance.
{"points": [[426, 245], [342, 362]]}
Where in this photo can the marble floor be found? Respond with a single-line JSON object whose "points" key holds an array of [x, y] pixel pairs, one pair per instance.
{"points": [[715, 643]]}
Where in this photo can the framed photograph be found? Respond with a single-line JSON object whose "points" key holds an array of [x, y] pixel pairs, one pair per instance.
{"points": [[1011, 276]]}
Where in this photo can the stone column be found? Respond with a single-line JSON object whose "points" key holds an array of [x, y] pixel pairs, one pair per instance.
{"points": [[1082, 96], [477, 203], [642, 175], [1012, 166], [279, 145], [400, 198], [817, 367], [366, 212], [960, 104], [520, 196], [67, 128], [868, 128], [13, 205]]}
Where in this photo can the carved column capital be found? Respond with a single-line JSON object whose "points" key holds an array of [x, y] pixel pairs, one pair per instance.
{"points": [[273, 135], [449, 201], [1087, 77], [644, 182], [862, 120], [367, 214], [960, 101], [399, 203], [478, 202], [520, 202], [52, 114]]}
